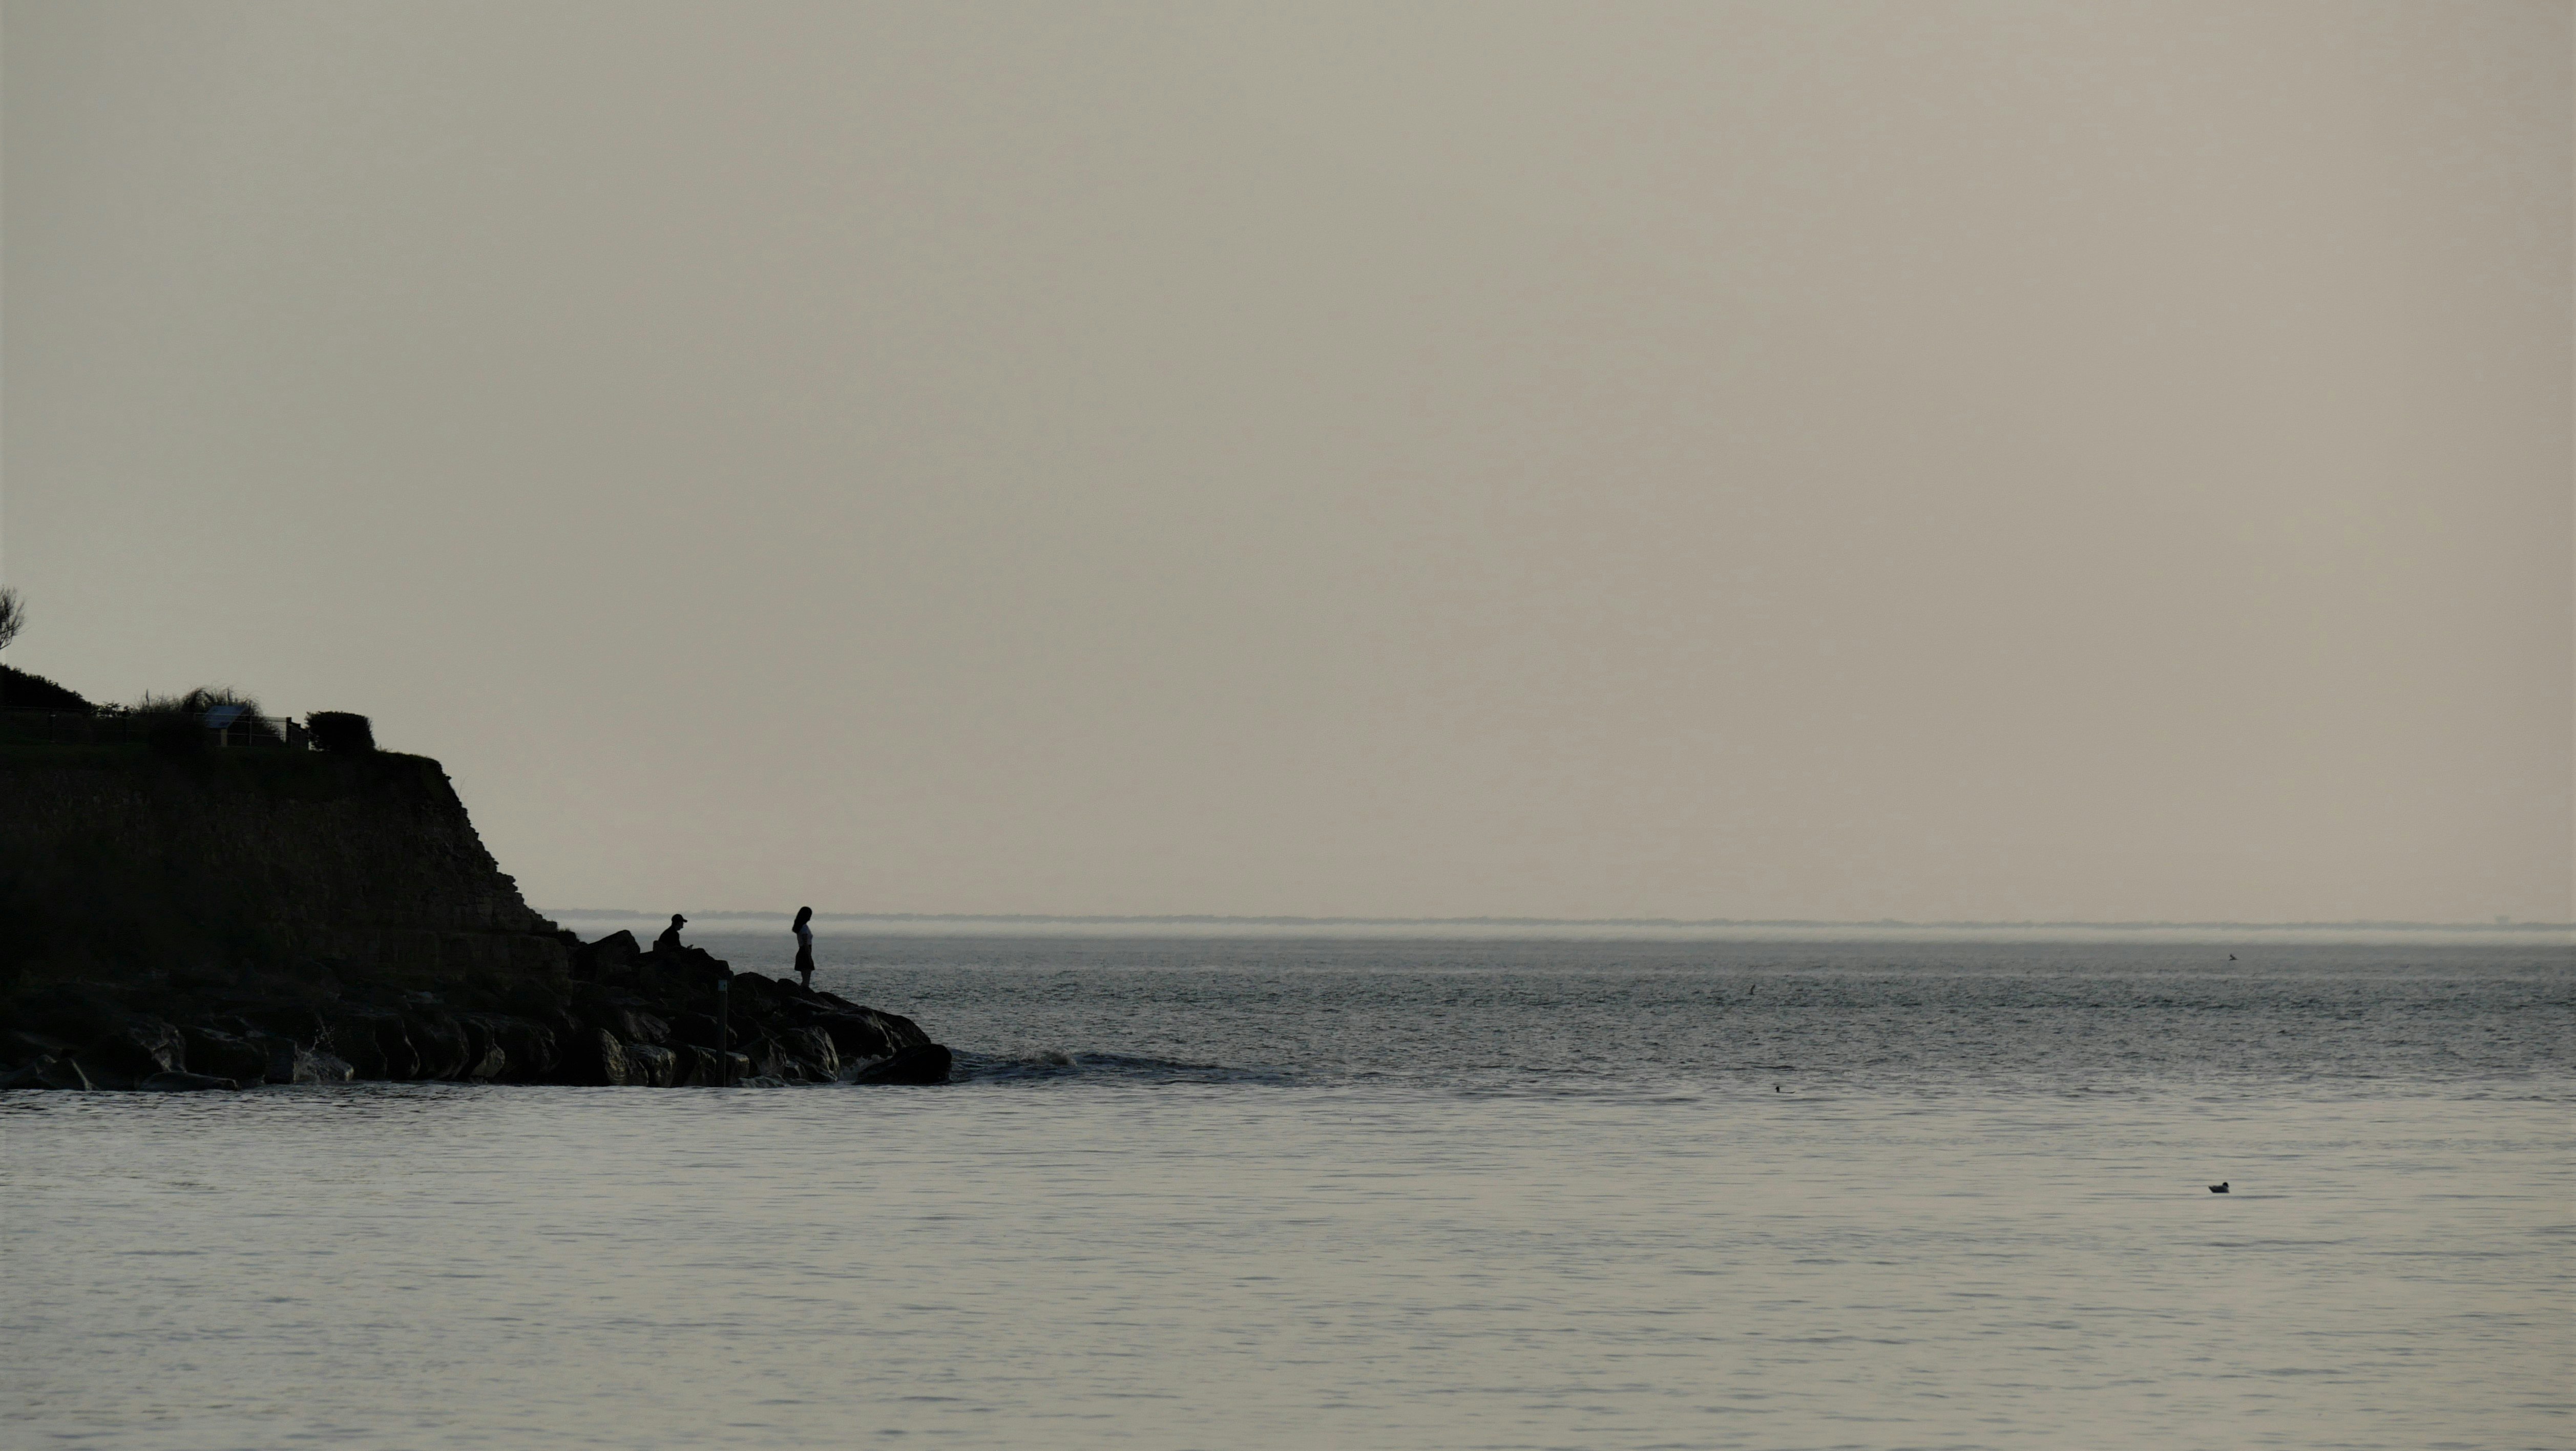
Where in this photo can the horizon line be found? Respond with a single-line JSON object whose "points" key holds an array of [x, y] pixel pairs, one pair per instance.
{"points": [[1223, 919]]}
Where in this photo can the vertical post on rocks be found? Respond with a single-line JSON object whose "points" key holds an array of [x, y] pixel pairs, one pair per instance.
{"points": [[724, 1030]]}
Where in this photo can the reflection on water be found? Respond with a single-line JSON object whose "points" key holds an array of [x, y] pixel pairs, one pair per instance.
{"points": [[1130, 1227]]}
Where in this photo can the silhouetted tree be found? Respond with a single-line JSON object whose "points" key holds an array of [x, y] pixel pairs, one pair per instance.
{"points": [[13, 616]]}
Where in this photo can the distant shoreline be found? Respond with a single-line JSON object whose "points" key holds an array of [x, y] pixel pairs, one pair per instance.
{"points": [[1712, 929]]}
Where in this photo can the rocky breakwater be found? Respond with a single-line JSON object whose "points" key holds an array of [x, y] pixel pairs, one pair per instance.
{"points": [[616, 1016]]}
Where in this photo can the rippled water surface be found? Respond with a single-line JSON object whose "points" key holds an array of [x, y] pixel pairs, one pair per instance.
{"points": [[1379, 1195]]}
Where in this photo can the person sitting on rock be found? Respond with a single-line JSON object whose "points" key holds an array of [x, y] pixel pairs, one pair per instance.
{"points": [[804, 947], [669, 941]]}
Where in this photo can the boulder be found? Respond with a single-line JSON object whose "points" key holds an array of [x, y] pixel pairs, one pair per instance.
{"points": [[299, 1021], [101, 1077], [856, 1034], [30, 1074], [138, 1048], [771, 1059], [65, 1073], [688, 975], [625, 1014], [374, 1044], [402, 1055], [611, 958], [649, 1065], [16, 1047], [705, 1068], [596, 1057], [637, 1026], [693, 1030], [293, 1062], [528, 1047], [758, 993], [226, 1055], [440, 1041], [815, 1047], [485, 1059]]}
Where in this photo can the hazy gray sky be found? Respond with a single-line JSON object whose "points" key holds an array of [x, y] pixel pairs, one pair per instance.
{"points": [[1814, 460]]}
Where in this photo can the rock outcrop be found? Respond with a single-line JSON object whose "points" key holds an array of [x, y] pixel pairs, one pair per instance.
{"points": [[615, 1017], [246, 917]]}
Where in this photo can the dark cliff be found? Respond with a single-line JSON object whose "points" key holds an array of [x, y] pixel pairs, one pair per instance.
{"points": [[233, 918], [121, 859]]}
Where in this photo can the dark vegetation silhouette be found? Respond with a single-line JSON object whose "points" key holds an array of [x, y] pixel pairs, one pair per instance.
{"points": [[197, 704], [20, 690], [173, 725], [341, 732], [179, 724]]}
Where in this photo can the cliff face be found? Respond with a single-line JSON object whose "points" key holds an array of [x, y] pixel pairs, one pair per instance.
{"points": [[119, 859], [237, 918]]}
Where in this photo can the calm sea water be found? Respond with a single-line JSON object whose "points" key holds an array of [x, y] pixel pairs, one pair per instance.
{"points": [[1380, 1194]]}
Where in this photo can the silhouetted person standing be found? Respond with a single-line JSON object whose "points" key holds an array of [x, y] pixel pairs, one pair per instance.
{"points": [[804, 947], [669, 941]]}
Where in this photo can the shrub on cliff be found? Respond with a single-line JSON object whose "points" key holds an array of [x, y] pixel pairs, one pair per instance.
{"points": [[338, 730], [169, 719], [203, 699], [22, 691]]}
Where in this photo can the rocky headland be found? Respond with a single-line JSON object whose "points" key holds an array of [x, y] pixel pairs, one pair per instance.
{"points": [[203, 918]]}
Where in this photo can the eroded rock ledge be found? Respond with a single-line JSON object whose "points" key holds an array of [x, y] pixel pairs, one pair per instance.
{"points": [[616, 1017]]}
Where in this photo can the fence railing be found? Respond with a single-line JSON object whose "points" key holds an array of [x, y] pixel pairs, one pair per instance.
{"points": [[109, 725]]}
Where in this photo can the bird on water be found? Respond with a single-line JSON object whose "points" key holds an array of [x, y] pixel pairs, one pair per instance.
{"points": [[2218, 1188]]}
